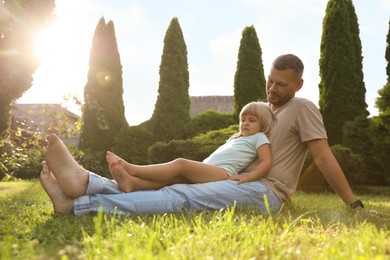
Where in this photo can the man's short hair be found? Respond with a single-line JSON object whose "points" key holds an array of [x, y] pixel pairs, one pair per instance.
{"points": [[289, 61]]}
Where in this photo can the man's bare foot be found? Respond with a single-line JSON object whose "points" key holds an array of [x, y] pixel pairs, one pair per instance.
{"points": [[71, 177], [125, 181], [61, 203]]}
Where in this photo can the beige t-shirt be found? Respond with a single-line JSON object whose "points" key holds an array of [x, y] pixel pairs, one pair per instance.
{"points": [[298, 121]]}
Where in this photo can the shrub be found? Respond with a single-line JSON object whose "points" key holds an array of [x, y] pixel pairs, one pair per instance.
{"points": [[209, 120], [95, 163], [132, 144], [197, 148], [21, 153], [312, 180]]}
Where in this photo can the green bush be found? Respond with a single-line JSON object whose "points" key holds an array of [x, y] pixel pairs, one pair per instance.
{"points": [[209, 120], [197, 148], [21, 159], [95, 163], [380, 133], [132, 144], [312, 180]]}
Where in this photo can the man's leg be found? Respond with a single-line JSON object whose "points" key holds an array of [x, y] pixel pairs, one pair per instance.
{"points": [[71, 177], [178, 197], [61, 203]]}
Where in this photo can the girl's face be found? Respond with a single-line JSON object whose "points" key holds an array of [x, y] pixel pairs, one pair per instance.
{"points": [[249, 125]]}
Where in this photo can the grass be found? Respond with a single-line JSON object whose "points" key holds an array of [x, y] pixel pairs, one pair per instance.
{"points": [[313, 226]]}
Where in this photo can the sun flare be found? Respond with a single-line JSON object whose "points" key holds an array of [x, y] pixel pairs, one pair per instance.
{"points": [[62, 53]]}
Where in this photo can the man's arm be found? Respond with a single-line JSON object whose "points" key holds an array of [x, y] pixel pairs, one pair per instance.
{"points": [[330, 168]]}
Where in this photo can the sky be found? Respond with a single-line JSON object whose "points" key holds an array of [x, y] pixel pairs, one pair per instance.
{"points": [[212, 32]]}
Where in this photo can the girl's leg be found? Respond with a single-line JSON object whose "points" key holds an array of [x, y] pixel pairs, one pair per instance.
{"points": [[192, 171], [129, 183]]}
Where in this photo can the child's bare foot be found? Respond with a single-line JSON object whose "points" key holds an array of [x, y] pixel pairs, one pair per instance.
{"points": [[71, 177], [112, 158], [125, 181], [114, 161], [61, 203]]}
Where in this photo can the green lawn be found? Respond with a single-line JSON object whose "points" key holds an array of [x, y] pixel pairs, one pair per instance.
{"points": [[313, 226]]}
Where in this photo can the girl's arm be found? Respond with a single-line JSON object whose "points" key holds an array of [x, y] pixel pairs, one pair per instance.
{"points": [[265, 164]]}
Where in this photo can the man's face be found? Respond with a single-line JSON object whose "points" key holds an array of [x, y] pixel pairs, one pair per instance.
{"points": [[281, 87]]}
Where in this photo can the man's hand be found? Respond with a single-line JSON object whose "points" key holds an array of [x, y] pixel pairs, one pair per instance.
{"points": [[374, 213]]}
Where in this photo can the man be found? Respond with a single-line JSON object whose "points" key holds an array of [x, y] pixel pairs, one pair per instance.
{"points": [[299, 127]]}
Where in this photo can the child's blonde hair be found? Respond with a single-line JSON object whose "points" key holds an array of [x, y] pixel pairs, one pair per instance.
{"points": [[263, 113]]}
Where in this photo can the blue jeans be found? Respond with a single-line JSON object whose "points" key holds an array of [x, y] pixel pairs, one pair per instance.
{"points": [[104, 193]]}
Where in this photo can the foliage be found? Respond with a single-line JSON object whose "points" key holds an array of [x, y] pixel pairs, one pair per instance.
{"points": [[197, 148], [380, 125], [163, 152], [94, 162], [20, 21], [172, 109], [383, 104], [381, 147], [21, 153], [209, 120], [357, 137], [342, 89], [249, 80], [103, 111], [313, 226], [312, 180], [387, 54], [132, 144]]}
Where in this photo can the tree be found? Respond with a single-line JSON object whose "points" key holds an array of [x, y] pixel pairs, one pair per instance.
{"points": [[249, 80], [103, 113], [383, 101], [381, 124], [342, 89], [20, 20], [172, 109]]}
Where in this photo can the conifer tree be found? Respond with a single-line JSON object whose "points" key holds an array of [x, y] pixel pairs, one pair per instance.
{"points": [[381, 132], [103, 112], [249, 80], [19, 24], [383, 101], [342, 89], [172, 109]]}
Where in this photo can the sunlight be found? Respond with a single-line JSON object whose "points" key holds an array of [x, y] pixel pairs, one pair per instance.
{"points": [[43, 45], [62, 49]]}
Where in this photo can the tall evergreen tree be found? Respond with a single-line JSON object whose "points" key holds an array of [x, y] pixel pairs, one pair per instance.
{"points": [[383, 101], [172, 109], [249, 80], [381, 132], [342, 89], [103, 111], [19, 22]]}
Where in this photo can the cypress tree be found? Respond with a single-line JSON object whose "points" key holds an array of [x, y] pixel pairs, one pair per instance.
{"points": [[172, 109], [383, 101], [342, 89], [381, 129], [19, 23], [103, 111], [249, 80]]}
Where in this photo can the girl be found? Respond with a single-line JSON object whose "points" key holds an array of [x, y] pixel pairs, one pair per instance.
{"points": [[250, 143]]}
